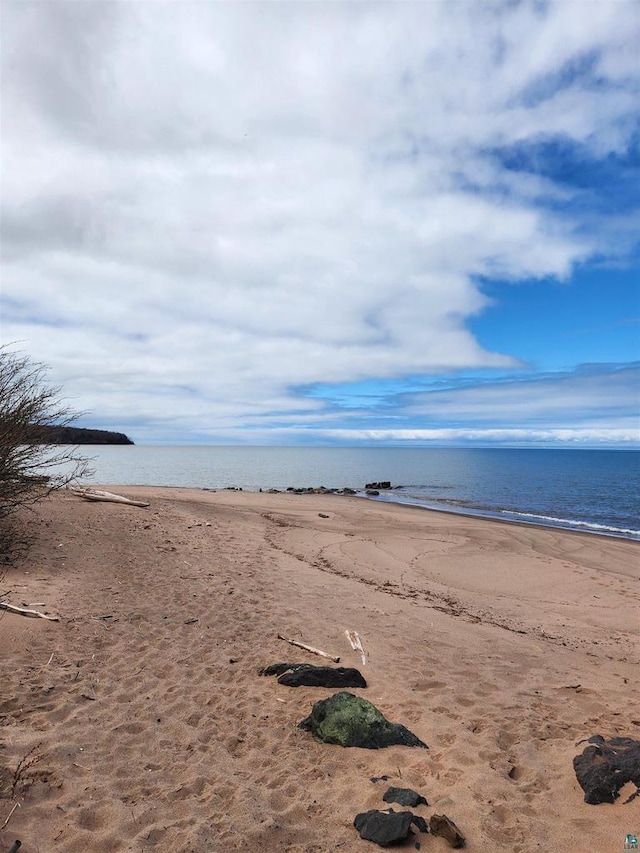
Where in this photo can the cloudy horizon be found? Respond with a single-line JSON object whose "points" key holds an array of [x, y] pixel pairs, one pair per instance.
{"points": [[327, 223]]}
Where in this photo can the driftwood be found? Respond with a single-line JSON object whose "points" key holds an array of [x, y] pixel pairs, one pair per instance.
{"points": [[23, 611], [98, 495], [6, 823], [311, 649], [356, 644]]}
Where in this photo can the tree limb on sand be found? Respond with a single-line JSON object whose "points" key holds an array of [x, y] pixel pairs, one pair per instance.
{"points": [[23, 611], [6, 823], [309, 649], [98, 495]]}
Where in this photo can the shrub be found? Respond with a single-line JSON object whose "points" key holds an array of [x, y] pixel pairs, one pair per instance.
{"points": [[30, 466]]}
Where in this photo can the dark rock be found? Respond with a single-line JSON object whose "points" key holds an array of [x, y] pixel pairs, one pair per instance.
{"points": [[383, 828], [277, 668], [349, 720], [372, 492], [323, 676], [404, 797], [308, 675], [603, 768], [420, 822], [312, 490], [439, 824], [383, 484], [348, 491]]}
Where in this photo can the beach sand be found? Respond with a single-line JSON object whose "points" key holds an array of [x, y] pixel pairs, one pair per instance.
{"points": [[500, 645]]}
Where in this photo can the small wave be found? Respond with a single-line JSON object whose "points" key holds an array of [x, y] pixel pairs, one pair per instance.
{"points": [[464, 508], [622, 531]]}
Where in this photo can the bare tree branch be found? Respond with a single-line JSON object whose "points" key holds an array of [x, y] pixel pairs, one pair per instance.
{"points": [[30, 466]]}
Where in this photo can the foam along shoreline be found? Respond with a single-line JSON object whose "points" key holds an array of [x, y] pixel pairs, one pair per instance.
{"points": [[512, 516], [501, 645]]}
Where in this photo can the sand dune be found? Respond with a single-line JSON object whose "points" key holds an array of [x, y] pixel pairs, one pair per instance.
{"points": [[500, 645]]}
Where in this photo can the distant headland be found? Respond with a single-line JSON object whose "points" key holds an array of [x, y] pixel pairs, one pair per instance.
{"points": [[78, 435]]}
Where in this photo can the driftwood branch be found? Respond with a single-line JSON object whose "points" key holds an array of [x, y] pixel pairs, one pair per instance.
{"points": [[98, 495], [6, 823], [356, 644], [24, 611], [311, 649]]}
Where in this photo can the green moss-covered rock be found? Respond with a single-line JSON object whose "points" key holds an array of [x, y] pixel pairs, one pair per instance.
{"points": [[348, 720]]}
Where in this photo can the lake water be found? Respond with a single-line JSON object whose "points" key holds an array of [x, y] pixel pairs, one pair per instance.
{"points": [[597, 491]]}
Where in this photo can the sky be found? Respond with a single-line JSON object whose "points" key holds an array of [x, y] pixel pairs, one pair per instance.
{"points": [[327, 222]]}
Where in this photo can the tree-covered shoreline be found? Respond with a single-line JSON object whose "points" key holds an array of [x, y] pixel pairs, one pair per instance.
{"points": [[79, 435]]}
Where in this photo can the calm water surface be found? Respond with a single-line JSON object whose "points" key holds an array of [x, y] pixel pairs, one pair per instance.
{"points": [[592, 490]]}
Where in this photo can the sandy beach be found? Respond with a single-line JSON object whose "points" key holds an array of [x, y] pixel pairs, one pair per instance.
{"points": [[139, 722]]}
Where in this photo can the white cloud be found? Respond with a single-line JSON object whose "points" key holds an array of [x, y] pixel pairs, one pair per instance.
{"points": [[606, 392], [585, 436], [246, 198]]}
